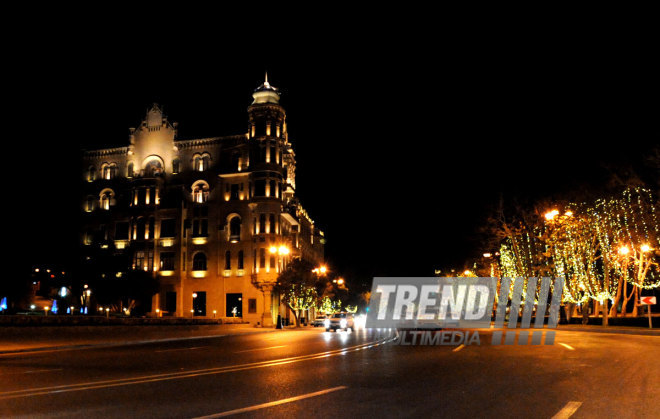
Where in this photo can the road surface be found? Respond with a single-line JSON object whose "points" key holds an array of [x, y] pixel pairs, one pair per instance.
{"points": [[312, 373]]}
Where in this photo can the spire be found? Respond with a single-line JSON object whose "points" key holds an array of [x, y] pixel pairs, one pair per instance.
{"points": [[266, 93]]}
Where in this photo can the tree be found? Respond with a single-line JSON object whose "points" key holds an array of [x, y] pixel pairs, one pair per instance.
{"points": [[297, 285]]}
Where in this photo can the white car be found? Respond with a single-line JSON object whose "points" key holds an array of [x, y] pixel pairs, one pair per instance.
{"points": [[342, 321]]}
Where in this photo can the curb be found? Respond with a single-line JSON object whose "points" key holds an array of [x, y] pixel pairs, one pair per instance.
{"points": [[124, 343]]}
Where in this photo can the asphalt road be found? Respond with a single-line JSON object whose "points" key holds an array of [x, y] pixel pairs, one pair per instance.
{"points": [[305, 373]]}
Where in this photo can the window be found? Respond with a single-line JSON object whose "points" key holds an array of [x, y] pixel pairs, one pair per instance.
{"points": [[200, 228], [138, 260], [227, 260], [236, 160], [262, 258], [200, 192], [252, 305], [121, 231], [106, 198], [262, 223], [260, 187], [89, 204], [168, 228], [141, 229], [235, 229], [167, 261], [240, 259], [150, 232], [271, 192], [199, 262], [91, 174], [130, 171], [234, 192], [176, 166], [201, 162], [271, 222], [153, 168]]}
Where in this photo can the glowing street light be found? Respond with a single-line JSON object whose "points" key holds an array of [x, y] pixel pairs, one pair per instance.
{"points": [[550, 215], [645, 248], [487, 255], [624, 250]]}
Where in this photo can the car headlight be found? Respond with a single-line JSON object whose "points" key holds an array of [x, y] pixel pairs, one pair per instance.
{"points": [[326, 322], [343, 323]]}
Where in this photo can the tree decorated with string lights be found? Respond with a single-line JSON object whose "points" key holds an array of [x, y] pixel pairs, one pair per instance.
{"points": [[606, 251]]}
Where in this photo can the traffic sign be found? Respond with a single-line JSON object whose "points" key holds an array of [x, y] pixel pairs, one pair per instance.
{"points": [[648, 301]]}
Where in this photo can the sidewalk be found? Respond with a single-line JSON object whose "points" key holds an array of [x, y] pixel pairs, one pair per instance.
{"points": [[37, 339], [624, 330]]}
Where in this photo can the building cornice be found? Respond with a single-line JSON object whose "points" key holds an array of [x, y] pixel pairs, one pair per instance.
{"points": [[106, 152]]}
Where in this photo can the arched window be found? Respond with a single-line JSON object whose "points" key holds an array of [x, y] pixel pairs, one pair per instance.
{"points": [[153, 168], [200, 192], [106, 199], [199, 262], [130, 170], [109, 171], [201, 162], [91, 174], [235, 229], [227, 260]]}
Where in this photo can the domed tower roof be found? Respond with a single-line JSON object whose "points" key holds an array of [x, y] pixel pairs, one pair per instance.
{"points": [[266, 93]]}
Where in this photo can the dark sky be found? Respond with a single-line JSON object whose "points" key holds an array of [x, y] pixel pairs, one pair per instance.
{"points": [[403, 145]]}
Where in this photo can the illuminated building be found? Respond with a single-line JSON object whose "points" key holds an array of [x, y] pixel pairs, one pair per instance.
{"points": [[202, 214]]}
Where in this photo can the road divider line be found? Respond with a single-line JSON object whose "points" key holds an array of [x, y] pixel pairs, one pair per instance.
{"points": [[271, 404], [568, 410], [567, 346], [183, 374], [260, 349]]}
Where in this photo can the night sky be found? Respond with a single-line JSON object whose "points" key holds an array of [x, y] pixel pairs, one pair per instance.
{"points": [[402, 150]]}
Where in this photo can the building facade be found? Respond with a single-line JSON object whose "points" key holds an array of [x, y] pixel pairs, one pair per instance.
{"points": [[214, 220]]}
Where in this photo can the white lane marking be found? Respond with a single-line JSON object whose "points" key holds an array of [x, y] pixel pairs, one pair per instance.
{"points": [[567, 346], [458, 348], [271, 404], [180, 375], [260, 349], [568, 410], [183, 349], [33, 371]]}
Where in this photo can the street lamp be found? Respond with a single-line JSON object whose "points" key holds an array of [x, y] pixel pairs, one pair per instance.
{"points": [[624, 250], [645, 248], [550, 215]]}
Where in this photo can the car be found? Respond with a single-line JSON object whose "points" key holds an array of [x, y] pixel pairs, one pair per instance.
{"points": [[319, 321], [342, 321]]}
